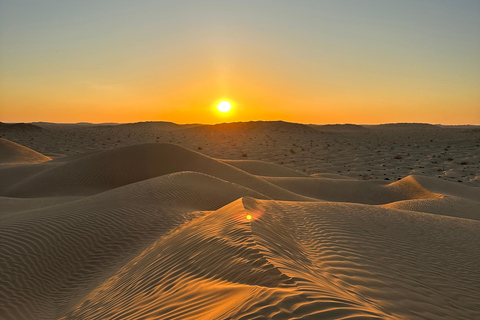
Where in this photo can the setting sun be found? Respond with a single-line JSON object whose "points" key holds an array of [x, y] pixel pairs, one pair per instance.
{"points": [[224, 106]]}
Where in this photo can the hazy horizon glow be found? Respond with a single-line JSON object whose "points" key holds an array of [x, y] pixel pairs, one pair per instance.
{"points": [[300, 61]]}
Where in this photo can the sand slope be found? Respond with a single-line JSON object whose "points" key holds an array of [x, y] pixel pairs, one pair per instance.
{"points": [[157, 231], [346, 190], [308, 260], [13, 153], [51, 255], [114, 168]]}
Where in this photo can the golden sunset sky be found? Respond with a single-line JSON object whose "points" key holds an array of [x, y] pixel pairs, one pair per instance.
{"points": [[301, 61]]}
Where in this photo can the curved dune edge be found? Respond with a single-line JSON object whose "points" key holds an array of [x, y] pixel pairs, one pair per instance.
{"points": [[302, 260], [52, 255], [355, 191], [448, 187], [450, 206], [12, 153], [111, 169]]}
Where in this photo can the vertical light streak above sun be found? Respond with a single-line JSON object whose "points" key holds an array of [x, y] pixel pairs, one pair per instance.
{"points": [[322, 61]]}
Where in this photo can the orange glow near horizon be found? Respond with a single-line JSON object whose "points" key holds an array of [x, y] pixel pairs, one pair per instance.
{"points": [[188, 99], [319, 62]]}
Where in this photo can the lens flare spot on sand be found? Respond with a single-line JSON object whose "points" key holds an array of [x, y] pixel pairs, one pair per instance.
{"points": [[249, 217]]}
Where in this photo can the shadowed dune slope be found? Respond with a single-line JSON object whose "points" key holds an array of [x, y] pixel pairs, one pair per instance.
{"points": [[114, 168], [50, 256], [298, 261], [346, 190], [14, 153], [11, 205], [331, 176], [11, 175], [265, 169]]}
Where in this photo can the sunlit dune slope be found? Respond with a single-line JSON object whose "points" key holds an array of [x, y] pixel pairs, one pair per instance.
{"points": [[51, 255], [14, 153], [448, 188], [298, 260]]}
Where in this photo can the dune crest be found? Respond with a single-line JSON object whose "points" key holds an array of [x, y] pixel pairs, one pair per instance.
{"points": [[118, 167], [14, 153], [310, 260]]}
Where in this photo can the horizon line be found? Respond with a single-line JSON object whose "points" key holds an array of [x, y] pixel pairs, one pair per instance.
{"points": [[198, 123]]}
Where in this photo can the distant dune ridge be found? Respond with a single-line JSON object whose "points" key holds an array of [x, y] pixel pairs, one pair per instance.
{"points": [[159, 230], [19, 127]]}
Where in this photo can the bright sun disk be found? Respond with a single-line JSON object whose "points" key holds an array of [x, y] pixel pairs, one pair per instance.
{"points": [[224, 106]]}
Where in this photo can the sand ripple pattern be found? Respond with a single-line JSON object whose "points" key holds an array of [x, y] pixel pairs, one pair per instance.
{"points": [[49, 257], [156, 231], [299, 261]]}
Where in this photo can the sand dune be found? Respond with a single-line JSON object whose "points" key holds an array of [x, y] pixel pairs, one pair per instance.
{"points": [[159, 231], [311, 260], [265, 169], [446, 187], [52, 255], [381, 152], [114, 168], [17, 127], [346, 190], [448, 206], [13, 153], [12, 174]]}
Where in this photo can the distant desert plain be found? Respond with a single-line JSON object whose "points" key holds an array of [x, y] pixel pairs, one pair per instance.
{"points": [[247, 220]]}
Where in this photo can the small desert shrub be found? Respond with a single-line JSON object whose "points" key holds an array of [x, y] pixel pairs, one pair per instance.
{"points": [[398, 156], [199, 148], [463, 163], [244, 155], [292, 151]]}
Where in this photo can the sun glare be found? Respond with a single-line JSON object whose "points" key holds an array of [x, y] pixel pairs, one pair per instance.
{"points": [[224, 106], [249, 217]]}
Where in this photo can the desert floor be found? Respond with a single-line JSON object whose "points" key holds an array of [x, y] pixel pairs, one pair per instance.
{"points": [[258, 220]]}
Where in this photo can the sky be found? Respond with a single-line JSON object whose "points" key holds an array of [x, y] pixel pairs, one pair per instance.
{"points": [[307, 61]]}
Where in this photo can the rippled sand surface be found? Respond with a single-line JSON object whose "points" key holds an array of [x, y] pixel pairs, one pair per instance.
{"points": [[160, 231]]}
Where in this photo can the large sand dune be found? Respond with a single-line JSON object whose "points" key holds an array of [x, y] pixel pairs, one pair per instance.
{"points": [[160, 231], [13, 153]]}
